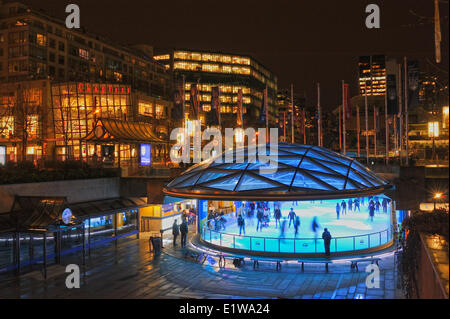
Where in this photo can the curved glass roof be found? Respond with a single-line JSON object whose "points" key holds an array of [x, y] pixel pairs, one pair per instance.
{"points": [[302, 172]]}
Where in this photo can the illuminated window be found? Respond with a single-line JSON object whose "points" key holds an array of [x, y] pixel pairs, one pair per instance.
{"points": [[433, 129], [41, 39], [145, 108], [161, 57], [159, 111], [6, 126], [32, 126], [84, 54]]}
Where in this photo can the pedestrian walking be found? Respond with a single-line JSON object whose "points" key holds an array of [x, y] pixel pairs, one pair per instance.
{"points": [[175, 232], [326, 236]]}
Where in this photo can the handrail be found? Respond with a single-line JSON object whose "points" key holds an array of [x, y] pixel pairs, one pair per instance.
{"points": [[389, 236]]}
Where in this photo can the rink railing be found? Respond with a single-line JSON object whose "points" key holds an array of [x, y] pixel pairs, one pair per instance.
{"points": [[296, 245]]}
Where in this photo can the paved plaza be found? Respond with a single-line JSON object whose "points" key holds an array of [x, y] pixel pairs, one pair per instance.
{"points": [[130, 271]]}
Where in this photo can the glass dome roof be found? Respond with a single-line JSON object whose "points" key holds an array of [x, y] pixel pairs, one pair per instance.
{"points": [[303, 172]]}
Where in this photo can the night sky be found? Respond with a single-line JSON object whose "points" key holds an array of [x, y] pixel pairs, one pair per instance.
{"points": [[303, 42]]}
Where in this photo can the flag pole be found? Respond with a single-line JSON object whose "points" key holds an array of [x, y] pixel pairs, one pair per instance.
{"points": [[319, 123], [340, 130], [406, 111], [375, 130], [304, 125], [267, 114], [358, 129], [292, 114], [386, 126], [400, 111], [343, 115], [366, 107]]}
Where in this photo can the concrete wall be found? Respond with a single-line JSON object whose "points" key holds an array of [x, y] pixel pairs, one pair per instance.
{"points": [[75, 190]]}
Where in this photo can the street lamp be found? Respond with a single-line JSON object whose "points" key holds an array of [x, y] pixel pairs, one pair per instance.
{"points": [[436, 197]]}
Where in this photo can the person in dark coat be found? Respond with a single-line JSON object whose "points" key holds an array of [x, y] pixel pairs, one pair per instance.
{"points": [[259, 216], [277, 215], [357, 204], [175, 232], [184, 231], [371, 210], [344, 207], [291, 217], [350, 205], [326, 236], [338, 209], [296, 225], [241, 224]]}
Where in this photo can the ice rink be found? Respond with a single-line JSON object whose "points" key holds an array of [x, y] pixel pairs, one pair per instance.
{"points": [[353, 229]]}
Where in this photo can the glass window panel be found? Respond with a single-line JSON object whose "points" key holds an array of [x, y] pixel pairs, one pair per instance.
{"points": [[249, 183], [335, 181], [227, 184], [284, 177], [209, 176], [304, 181]]}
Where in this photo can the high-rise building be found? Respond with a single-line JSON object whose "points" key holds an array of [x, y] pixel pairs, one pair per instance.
{"points": [[230, 72], [372, 74]]}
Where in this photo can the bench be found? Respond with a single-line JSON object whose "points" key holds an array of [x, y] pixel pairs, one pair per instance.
{"points": [[257, 260], [315, 261], [354, 263]]}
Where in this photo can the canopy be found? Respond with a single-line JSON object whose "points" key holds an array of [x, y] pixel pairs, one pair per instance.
{"points": [[301, 172], [109, 130]]}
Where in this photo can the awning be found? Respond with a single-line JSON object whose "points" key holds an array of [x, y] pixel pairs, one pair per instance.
{"points": [[34, 213], [115, 131], [104, 207]]}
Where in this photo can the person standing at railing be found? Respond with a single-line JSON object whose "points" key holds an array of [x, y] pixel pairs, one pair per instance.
{"points": [[326, 236], [241, 224], [277, 215], [338, 209]]}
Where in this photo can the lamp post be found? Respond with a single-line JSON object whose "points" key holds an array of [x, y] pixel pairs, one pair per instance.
{"points": [[436, 197]]}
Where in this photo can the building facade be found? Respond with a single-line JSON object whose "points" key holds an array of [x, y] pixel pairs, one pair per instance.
{"points": [[57, 83], [231, 73]]}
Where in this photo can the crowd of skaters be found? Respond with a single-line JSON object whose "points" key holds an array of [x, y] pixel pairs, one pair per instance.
{"points": [[354, 205]]}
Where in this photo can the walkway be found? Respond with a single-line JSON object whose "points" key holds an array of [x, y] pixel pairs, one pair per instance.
{"points": [[130, 271]]}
